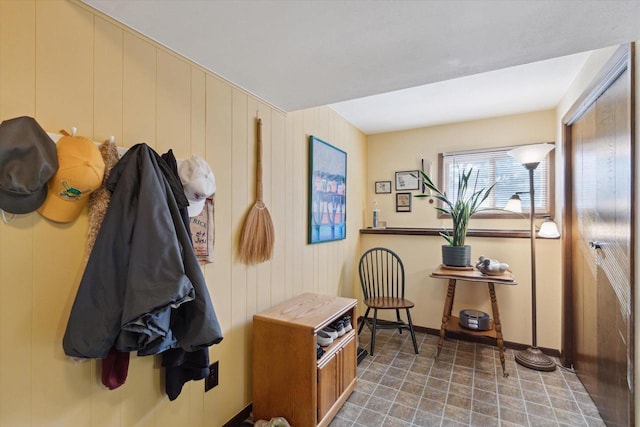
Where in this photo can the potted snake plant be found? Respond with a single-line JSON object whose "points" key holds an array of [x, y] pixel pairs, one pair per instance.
{"points": [[466, 203]]}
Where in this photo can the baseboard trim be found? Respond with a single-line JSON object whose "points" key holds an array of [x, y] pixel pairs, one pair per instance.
{"points": [[240, 417], [480, 339]]}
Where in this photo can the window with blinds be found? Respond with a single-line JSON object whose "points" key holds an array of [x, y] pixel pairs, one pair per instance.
{"points": [[495, 165]]}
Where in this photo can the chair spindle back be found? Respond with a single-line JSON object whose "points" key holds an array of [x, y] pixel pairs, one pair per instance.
{"points": [[381, 274]]}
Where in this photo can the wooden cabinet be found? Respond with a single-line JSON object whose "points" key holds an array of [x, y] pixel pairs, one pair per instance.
{"points": [[289, 380]]}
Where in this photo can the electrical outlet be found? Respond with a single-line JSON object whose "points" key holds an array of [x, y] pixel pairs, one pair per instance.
{"points": [[212, 379]]}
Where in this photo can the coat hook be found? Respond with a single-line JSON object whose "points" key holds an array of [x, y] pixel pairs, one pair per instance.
{"points": [[5, 219], [112, 139]]}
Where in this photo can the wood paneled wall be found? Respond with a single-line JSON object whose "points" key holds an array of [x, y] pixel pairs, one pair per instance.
{"points": [[66, 65]]}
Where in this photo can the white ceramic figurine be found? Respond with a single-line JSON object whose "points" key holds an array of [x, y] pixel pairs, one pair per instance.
{"points": [[491, 266]]}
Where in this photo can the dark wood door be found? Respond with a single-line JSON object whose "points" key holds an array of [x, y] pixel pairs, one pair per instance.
{"points": [[600, 239]]}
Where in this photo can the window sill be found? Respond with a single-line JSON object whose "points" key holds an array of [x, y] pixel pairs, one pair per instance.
{"points": [[406, 231]]}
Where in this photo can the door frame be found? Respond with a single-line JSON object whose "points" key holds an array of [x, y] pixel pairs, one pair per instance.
{"points": [[621, 60]]}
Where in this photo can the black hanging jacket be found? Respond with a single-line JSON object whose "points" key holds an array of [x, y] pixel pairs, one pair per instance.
{"points": [[142, 267]]}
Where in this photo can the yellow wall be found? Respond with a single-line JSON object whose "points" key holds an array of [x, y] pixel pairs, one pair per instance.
{"points": [[398, 151], [68, 66]]}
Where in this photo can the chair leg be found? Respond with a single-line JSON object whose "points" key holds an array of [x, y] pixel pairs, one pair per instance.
{"points": [[364, 320], [373, 330], [399, 321], [413, 335]]}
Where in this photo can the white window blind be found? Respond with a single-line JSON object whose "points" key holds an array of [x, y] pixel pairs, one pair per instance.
{"points": [[495, 165]]}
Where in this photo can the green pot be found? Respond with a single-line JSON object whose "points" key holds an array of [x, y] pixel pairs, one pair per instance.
{"points": [[456, 256]]}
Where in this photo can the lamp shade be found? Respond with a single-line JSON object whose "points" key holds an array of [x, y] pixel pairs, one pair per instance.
{"points": [[534, 153], [548, 229], [514, 204]]}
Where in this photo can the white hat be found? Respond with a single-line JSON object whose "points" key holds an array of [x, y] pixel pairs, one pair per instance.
{"points": [[198, 183]]}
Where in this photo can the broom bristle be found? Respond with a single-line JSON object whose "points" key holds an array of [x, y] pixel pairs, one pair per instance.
{"points": [[258, 236]]}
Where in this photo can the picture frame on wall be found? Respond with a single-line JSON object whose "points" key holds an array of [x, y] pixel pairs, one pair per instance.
{"points": [[383, 187], [403, 202], [327, 192], [407, 180]]}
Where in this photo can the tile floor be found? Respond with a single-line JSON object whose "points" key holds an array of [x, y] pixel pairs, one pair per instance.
{"points": [[465, 387]]}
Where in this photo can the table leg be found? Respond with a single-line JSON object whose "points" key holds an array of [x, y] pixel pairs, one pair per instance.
{"points": [[497, 325], [446, 313]]}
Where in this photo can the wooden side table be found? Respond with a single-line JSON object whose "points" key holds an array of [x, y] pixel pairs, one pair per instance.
{"points": [[451, 323]]}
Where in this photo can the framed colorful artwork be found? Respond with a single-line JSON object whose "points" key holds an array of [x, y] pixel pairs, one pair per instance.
{"points": [[327, 192]]}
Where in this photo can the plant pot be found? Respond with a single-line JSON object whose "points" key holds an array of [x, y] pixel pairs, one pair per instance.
{"points": [[456, 256]]}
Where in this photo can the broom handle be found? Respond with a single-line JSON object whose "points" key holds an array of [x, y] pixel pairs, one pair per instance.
{"points": [[259, 163]]}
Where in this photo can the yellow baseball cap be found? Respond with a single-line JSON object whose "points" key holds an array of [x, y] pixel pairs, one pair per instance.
{"points": [[80, 173]]}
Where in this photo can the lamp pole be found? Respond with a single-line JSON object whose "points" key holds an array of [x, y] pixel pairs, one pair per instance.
{"points": [[531, 167], [532, 357], [530, 157]]}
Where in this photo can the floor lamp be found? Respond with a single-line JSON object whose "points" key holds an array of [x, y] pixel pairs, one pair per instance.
{"points": [[530, 157]]}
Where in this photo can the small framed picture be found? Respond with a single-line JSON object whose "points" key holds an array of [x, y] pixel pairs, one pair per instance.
{"points": [[403, 202], [383, 187], [407, 180]]}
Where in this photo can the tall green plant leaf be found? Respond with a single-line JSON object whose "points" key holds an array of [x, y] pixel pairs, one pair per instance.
{"points": [[466, 204]]}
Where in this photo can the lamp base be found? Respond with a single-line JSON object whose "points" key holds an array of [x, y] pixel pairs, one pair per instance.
{"points": [[533, 358]]}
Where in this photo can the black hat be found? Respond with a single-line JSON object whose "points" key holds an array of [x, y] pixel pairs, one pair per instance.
{"points": [[28, 160]]}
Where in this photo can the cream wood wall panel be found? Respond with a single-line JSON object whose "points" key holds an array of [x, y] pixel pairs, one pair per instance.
{"points": [[107, 91], [198, 117], [299, 220], [320, 119], [16, 324], [310, 281], [276, 204], [17, 58], [64, 98], [141, 394], [17, 88], [240, 200], [221, 401], [67, 65], [64, 75], [318, 260], [54, 400], [288, 231], [196, 404], [218, 138], [359, 171], [139, 92], [173, 105]]}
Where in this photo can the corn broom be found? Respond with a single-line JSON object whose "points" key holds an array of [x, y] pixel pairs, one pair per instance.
{"points": [[258, 235]]}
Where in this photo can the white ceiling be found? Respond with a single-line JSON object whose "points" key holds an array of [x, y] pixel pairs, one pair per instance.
{"points": [[307, 53]]}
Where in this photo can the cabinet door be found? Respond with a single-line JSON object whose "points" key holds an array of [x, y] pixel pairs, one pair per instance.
{"points": [[327, 386], [348, 364]]}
